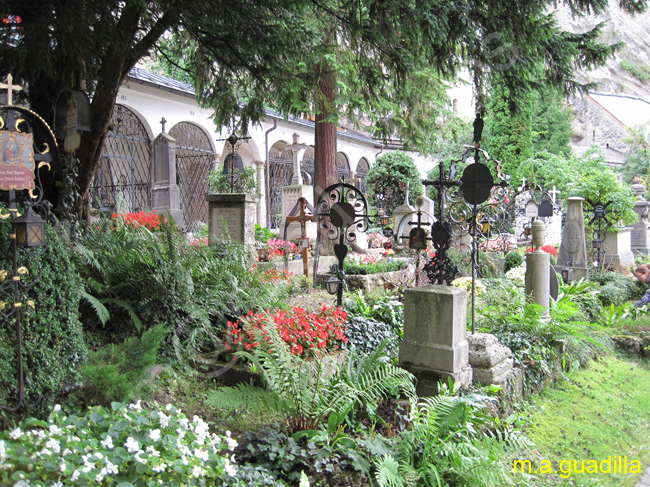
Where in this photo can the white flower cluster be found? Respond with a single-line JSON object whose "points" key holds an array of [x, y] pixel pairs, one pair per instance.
{"points": [[517, 274], [155, 442]]}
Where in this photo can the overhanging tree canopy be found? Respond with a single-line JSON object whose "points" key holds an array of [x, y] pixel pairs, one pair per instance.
{"points": [[377, 57]]}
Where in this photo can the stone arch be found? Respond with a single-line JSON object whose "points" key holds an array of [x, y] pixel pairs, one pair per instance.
{"points": [[194, 158], [123, 179]]}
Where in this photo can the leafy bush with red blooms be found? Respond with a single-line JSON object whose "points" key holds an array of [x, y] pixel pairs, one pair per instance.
{"points": [[273, 275], [549, 249], [150, 220], [322, 330]]}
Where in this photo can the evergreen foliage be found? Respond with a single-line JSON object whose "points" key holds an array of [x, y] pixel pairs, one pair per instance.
{"points": [[115, 372], [509, 135], [379, 58], [551, 122], [54, 345]]}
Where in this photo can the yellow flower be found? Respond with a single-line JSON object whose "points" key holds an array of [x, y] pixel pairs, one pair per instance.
{"points": [[23, 270], [3, 275]]}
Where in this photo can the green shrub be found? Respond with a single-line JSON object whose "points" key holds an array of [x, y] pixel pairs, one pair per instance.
{"points": [[513, 259], [354, 268], [53, 340], [115, 372], [615, 288], [393, 169]]}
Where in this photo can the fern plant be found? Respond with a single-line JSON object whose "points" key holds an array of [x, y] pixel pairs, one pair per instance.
{"points": [[450, 442], [306, 391]]}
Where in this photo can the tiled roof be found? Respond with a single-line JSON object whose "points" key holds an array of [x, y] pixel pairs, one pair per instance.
{"points": [[144, 76]]}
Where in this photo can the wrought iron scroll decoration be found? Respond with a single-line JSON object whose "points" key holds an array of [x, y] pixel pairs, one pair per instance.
{"points": [[14, 290], [341, 212]]}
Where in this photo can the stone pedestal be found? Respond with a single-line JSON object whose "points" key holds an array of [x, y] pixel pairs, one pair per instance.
{"points": [[491, 362], [290, 196], [166, 195], [640, 232], [618, 248], [573, 249], [232, 214], [435, 345], [538, 271]]}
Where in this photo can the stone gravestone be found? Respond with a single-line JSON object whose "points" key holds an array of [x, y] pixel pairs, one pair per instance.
{"points": [[232, 214], [640, 238], [435, 344], [573, 249], [166, 194], [618, 248]]}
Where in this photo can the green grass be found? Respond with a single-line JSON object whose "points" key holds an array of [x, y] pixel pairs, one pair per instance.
{"points": [[603, 411]]}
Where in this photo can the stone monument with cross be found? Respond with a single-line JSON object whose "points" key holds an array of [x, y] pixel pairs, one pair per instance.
{"points": [[297, 189], [166, 195]]}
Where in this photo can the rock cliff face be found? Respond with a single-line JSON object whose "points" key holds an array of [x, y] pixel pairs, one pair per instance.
{"points": [[628, 73], [622, 82]]}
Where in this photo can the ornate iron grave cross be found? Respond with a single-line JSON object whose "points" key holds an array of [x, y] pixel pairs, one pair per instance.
{"points": [[341, 211], [233, 162], [533, 202], [602, 225], [476, 185], [440, 269]]}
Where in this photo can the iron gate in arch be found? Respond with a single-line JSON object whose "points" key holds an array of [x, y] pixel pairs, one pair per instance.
{"points": [[342, 167], [281, 170], [362, 173], [123, 179], [194, 159]]}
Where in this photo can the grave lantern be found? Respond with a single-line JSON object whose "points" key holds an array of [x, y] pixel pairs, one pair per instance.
{"points": [[30, 229], [567, 274], [332, 285], [597, 243]]}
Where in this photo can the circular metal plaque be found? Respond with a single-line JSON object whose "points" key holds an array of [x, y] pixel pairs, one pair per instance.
{"points": [[476, 183], [342, 214]]}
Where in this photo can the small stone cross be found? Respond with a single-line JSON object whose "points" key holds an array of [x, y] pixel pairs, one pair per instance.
{"points": [[523, 183], [10, 88], [295, 148], [352, 179], [163, 122], [554, 192]]}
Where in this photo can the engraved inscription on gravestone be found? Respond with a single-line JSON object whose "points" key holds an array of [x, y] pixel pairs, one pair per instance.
{"points": [[232, 217], [572, 236]]}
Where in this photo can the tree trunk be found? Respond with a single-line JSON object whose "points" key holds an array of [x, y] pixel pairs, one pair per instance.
{"points": [[324, 137]]}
